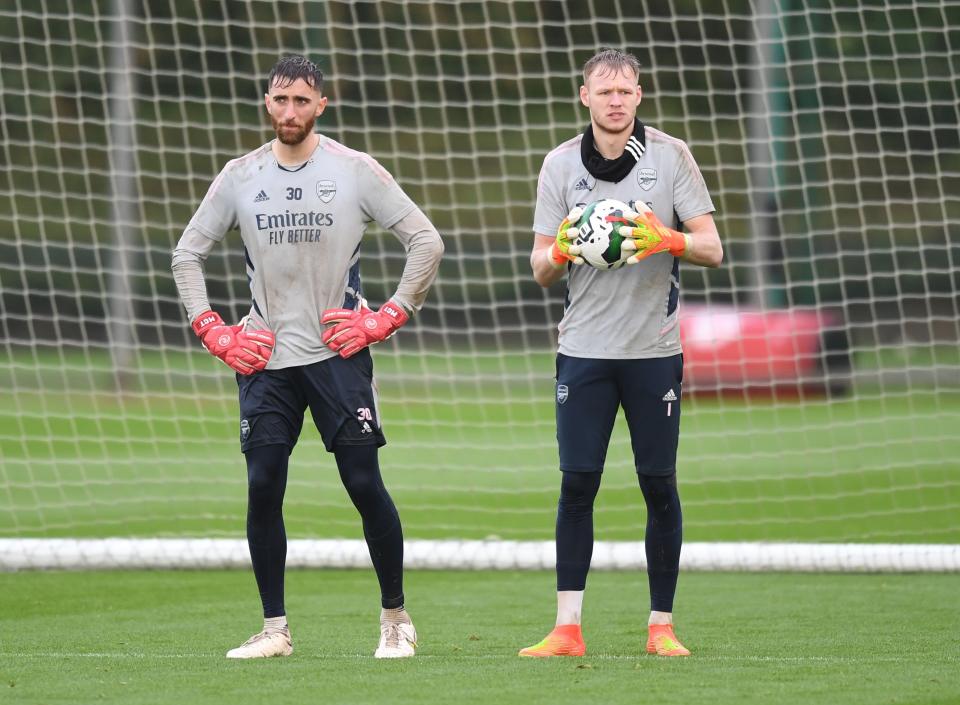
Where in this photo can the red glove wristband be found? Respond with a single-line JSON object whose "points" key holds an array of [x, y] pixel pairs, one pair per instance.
{"points": [[204, 321]]}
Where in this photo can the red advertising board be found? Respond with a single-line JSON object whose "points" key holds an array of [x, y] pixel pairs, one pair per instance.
{"points": [[735, 350]]}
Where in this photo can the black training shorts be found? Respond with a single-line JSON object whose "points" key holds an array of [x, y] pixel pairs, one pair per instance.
{"points": [[590, 391], [341, 395]]}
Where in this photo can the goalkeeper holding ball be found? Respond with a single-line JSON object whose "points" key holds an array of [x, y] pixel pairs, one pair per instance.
{"points": [[619, 340], [302, 203]]}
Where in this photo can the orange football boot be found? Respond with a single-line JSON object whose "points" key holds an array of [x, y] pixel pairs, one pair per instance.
{"points": [[663, 642], [564, 640]]}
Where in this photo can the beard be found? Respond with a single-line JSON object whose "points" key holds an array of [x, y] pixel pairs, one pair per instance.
{"points": [[292, 137]]}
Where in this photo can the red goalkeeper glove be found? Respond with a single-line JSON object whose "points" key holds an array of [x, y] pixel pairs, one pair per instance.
{"points": [[354, 330], [647, 236], [244, 351]]}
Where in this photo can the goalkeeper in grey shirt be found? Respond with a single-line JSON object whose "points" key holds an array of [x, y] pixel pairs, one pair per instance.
{"points": [[301, 203], [619, 342]]}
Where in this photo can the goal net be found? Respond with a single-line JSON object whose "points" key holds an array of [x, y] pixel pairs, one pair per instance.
{"points": [[822, 402]]}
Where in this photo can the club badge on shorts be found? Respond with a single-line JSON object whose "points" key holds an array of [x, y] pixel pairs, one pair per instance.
{"points": [[562, 393]]}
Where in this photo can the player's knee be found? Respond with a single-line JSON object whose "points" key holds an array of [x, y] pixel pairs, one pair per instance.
{"points": [[660, 492], [360, 485], [260, 485], [266, 477], [658, 484], [578, 490], [360, 472]]}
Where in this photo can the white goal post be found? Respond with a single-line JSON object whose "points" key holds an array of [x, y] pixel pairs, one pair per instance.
{"points": [[822, 391], [100, 554]]}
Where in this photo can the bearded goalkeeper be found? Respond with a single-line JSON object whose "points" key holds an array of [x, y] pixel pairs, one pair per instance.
{"points": [[302, 203], [619, 336]]}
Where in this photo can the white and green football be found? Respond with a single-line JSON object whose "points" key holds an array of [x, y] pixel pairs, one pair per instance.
{"points": [[598, 233]]}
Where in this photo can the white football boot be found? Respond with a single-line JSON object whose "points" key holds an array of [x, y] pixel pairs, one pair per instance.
{"points": [[397, 639], [269, 642]]}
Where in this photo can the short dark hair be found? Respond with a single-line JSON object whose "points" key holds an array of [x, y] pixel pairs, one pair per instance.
{"points": [[613, 60], [290, 68]]}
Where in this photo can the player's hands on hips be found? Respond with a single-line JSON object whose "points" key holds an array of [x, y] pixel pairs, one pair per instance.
{"points": [[352, 331], [562, 250], [646, 235], [245, 351]]}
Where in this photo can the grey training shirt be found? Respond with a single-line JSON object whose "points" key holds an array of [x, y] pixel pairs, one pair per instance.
{"points": [[631, 312], [301, 231]]}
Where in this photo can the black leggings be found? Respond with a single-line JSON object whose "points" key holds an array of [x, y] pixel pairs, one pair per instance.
{"points": [[267, 538], [360, 474], [664, 534]]}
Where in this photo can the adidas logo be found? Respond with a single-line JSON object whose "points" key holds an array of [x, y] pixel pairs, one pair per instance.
{"points": [[582, 185], [670, 396], [366, 428], [261, 197]]}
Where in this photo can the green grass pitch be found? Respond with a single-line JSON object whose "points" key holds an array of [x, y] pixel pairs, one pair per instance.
{"points": [[475, 457], [159, 637]]}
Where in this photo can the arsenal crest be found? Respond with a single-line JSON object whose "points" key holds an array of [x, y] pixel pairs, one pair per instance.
{"points": [[562, 393], [326, 190], [647, 178]]}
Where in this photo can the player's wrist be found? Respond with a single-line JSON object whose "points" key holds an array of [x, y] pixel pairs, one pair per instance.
{"points": [[555, 257], [395, 313], [205, 321], [679, 243]]}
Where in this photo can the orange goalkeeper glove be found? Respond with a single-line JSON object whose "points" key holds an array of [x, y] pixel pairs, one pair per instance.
{"points": [[562, 249], [647, 235]]}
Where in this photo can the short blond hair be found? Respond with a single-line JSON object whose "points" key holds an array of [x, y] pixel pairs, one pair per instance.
{"points": [[612, 60]]}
